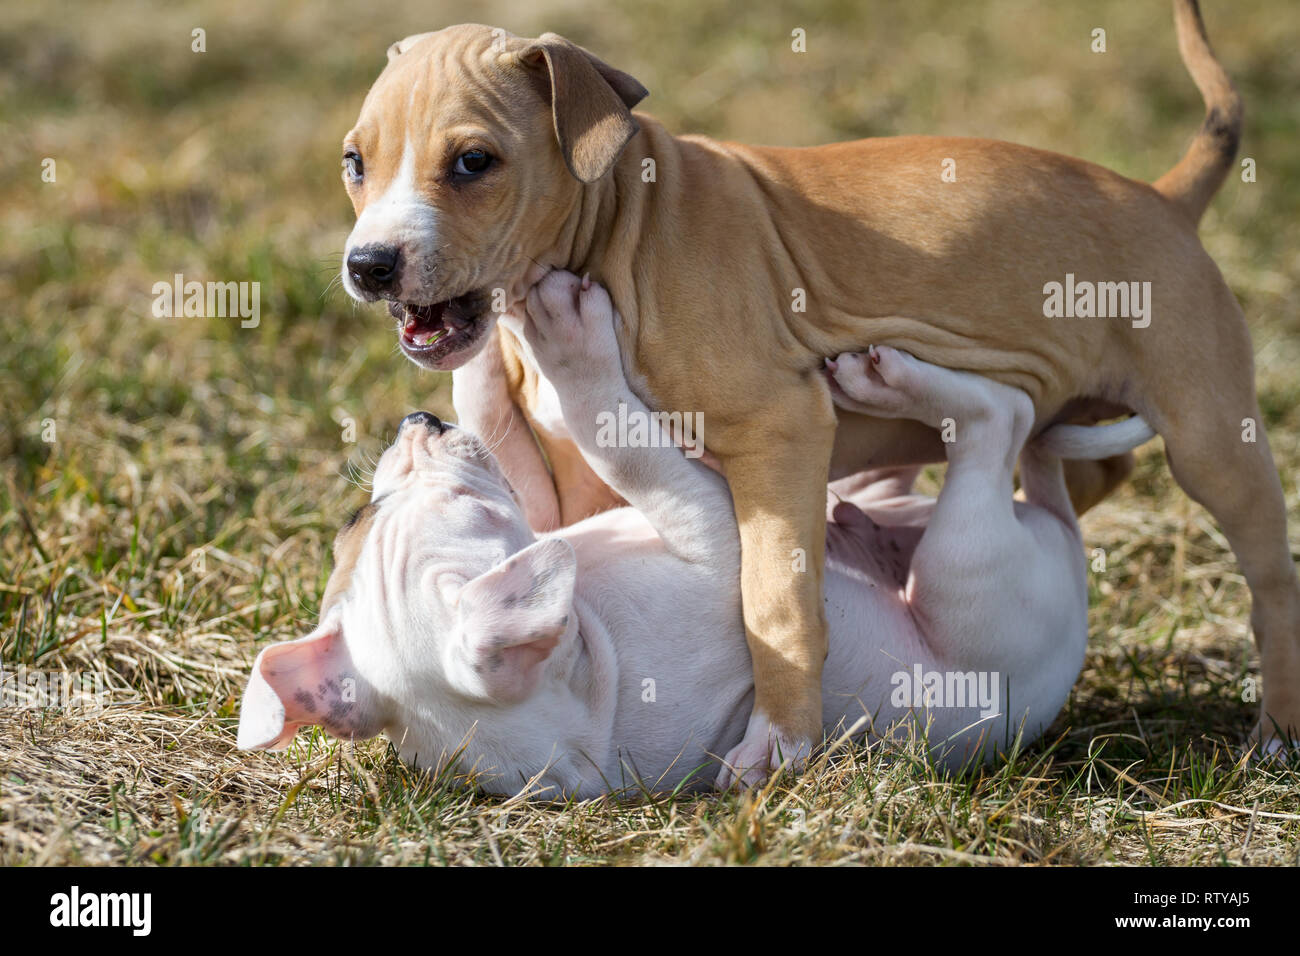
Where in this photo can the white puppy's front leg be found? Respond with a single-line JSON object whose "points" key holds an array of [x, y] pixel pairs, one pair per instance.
{"points": [[481, 397], [571, 333]]}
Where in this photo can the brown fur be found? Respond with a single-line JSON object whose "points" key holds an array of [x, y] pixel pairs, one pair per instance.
{"points": [[704, 262], [347, 548]]}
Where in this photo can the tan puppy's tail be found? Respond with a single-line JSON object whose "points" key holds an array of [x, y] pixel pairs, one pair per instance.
{"points": [[1199, 174]]}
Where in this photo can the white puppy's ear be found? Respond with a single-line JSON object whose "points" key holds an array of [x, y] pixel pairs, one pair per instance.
{"points": [[401, 46], [310, 681], [591, 103], [512, 619]]}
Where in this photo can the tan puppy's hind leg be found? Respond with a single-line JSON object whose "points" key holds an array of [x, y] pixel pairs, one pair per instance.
{"points": [[1219, 454], [780, 503], [1237, 483]]}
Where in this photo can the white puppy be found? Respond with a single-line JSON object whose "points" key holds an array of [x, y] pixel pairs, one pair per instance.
{"points": [[612, 653]]}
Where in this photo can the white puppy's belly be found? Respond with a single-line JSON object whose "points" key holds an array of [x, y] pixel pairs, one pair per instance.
{"points": [[683, 682], [971, 689]]}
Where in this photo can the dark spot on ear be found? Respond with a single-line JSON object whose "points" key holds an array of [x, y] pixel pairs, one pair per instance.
{"points": [[340, 720], [564, 621], [537, 590], [893, 545], [306, 701]]}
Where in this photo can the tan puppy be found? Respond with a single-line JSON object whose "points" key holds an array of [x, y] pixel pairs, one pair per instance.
{"points": [[502, 392], [480, 160]]}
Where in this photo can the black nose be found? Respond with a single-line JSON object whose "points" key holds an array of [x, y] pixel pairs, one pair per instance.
{"points": [[427, 419], [374, 268]]}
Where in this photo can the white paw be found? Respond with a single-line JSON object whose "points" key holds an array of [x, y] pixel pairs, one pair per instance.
{"points": [[570, 326], [877, 381], [764, 750]]}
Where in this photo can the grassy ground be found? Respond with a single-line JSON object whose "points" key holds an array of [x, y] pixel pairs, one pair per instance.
{"points": [[171, 485]]}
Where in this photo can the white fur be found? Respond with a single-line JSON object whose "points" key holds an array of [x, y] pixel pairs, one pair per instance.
{"points": [[403, 218], [646, 680]]}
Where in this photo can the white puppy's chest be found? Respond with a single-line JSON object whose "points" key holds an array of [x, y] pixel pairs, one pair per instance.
{"points": [[671, 685]]}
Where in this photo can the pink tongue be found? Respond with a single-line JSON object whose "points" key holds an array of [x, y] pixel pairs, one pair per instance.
{"points": [[413, 324], [423, 329]]}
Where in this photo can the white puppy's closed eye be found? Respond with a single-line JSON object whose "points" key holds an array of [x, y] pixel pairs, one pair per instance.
{"points": [[511, 620]]}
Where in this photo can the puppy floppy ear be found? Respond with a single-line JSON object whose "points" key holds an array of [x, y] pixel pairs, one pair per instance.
{"points": [[401, 46], [512, 619], [591, 103], [310, 681]]}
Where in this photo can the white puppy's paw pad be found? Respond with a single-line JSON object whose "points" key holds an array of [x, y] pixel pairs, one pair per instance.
{"points": [[571, 325], [898, 370], [558, 296], [594, 304], [880, 380]]}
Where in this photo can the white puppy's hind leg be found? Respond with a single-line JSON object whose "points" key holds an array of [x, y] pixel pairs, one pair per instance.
{"points": [[876, 484], [994, 588], [887, 383], [987, 423]]}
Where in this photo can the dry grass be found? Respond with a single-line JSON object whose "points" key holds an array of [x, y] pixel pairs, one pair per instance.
{"points": [[188, 437]]}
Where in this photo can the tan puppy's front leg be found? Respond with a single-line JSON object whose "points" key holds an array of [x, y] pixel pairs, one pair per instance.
{"points": [[779, 491]]}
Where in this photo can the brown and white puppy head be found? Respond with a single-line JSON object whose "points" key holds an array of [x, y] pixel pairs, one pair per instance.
{"points": [[472, 150], [440, 601]]}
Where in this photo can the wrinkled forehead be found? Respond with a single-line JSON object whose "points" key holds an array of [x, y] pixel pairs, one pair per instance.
{"points": [[461, 75], [460, 515]]}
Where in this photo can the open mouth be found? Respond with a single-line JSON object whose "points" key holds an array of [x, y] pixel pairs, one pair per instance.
{"points": [[430, 334]]}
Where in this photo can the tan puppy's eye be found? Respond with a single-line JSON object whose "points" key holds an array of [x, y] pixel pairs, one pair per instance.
{"points": [[352, 167], [472, 162]]}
